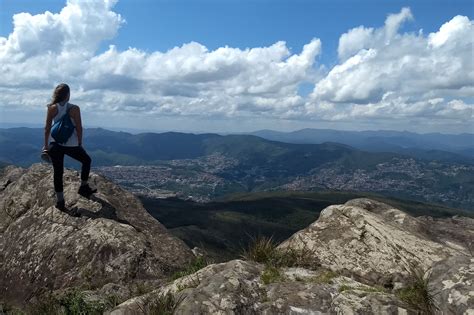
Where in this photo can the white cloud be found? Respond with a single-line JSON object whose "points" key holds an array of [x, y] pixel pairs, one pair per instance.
{"points": [[399, 113], [455, 30], [382, 73], [387, 75], [78, 29], [407, 64], [394, 21], [188, 80], [193, 80], [361, 37], [354, 41], [49, 47]]}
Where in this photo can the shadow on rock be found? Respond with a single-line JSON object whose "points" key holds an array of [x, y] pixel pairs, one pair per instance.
{"points": [[107, 211]]}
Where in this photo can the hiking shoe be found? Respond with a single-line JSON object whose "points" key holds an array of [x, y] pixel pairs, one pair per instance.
{"points": [[72, 212], [86, 191], [61, 205]]}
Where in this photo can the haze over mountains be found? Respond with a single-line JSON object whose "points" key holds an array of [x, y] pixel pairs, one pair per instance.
{"points": [[429, 145], [206, 166], [179, 145]]}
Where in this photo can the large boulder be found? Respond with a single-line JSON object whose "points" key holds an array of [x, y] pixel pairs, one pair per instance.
{"points": [[381, 245], [372, 258], [113, 243], [237, 287], [373, 240]]}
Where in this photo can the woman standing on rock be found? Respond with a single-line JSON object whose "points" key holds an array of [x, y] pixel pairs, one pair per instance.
{"points": [[71, 144]]}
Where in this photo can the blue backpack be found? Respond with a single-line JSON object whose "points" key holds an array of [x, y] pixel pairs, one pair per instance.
{"points": [[63, 128]]}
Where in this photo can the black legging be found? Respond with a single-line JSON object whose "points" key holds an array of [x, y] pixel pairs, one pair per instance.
{"points": [[56, 152]]}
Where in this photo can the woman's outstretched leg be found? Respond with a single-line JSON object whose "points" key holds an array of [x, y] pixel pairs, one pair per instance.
{"points": [[79, 154]]}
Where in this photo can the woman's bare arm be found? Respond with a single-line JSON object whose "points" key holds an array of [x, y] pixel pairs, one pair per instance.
{"points": [[75, 114], [47, 127]]}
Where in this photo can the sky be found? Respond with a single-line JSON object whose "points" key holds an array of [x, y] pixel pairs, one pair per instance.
{"points": [[239, 66]]}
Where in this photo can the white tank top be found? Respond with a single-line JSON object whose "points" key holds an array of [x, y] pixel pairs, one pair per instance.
{"points": [[62, 110]]}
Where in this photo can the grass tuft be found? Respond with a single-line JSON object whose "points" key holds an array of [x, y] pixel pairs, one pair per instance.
{"points": [[271, 274], [302, 257], [261, 249], [112, 301], [142, 288], [75, 303], [71, 303], [165, 304], [418, 293], [10, 310], [264, 250], [325, 277], [345, 287]]}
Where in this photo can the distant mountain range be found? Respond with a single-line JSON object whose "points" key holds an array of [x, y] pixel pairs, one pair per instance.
{"points": [[20, 146], [426, 146], [206, 166]]}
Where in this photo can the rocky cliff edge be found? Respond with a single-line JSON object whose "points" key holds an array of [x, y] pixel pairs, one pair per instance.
{"points": [[362, 257], [113, 246]]}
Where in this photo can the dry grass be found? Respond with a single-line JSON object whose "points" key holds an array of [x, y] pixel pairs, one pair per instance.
{"points": [[264, 250], [163, 304], [418, 294]]}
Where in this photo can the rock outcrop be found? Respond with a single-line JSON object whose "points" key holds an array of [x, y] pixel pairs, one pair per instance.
{"points": [[114, 243], [379, 244], [365, 257], [373, 240], [367, 253], [236, 287]]}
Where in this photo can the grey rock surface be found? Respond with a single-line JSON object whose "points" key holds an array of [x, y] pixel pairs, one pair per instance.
{"points": [[374, 241], [453, 284], [236, 287], [113, 243], [361, 253], [379, 244], [366, 251]]}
